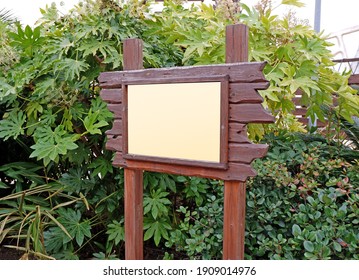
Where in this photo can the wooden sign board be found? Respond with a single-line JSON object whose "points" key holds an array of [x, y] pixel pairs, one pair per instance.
{"points": [[211, 144], [186, 120]]}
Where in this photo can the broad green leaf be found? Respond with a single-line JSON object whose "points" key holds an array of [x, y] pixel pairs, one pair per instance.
{"points": [[12, 126], [71, 68], [92, 123], [308, 245], [296, 231], [5, 89], [337, 246], [51, 146], [116, 232]]}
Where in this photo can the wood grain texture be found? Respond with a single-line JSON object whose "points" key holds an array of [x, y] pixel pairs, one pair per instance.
{"points": [[116, 109], [132, 54], [111, 95], [116, 128], [234, 191], [133, 59], [246, 153], [235, 171], [237, 72], [238, 133], [234, 220], [246, 92], [249, 113], [114, 143], [133, 214], [237, 43]]}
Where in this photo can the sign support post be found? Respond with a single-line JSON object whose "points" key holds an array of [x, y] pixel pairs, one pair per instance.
{"points": [[235, 191], [133, 60]]}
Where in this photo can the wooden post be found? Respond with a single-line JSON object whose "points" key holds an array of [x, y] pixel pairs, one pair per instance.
{"points": [[132, 60], [235, 191]]}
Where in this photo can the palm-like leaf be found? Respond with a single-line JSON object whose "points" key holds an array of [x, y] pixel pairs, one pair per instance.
{"points": [[6, 16]]}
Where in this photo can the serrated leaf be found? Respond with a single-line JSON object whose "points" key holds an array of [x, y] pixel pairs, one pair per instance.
{"points": [[71, 68], [12, 126], [93, 124], [116, 232], [50, 144]]}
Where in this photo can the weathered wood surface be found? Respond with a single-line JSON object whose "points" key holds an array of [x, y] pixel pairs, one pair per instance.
{"points": [[238, 133], [249, 113], [234, 220], [236, 72], [116, 128], [133, 59], [246, 92], [246, 153], [133, 214], [235, 191], [116, 109], [114, 143], [111, 95], [235, 171], [354, 79]]}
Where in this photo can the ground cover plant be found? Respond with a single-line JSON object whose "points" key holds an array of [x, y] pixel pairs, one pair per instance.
{"points": [[61, 198]]}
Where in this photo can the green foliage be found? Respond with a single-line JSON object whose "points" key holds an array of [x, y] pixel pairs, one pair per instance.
{"points": [[61, 197], [306, 199]]}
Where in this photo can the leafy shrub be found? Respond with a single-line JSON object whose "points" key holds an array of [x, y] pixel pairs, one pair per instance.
{"points": [[304, 202]]}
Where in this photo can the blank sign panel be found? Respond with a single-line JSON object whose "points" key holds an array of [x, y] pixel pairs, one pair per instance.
{"points": [[176, 121]]}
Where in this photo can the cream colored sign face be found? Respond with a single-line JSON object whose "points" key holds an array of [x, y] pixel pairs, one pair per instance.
{"points": [[179, 120]]}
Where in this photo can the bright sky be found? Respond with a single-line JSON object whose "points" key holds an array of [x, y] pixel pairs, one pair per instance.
{"points": [[335, 15]]}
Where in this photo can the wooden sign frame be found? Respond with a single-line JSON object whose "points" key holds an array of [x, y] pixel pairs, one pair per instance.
{"points": [[178, 79], [243, 107]]}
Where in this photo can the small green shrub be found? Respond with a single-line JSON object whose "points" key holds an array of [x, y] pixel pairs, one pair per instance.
{"points": [[303, 204]]}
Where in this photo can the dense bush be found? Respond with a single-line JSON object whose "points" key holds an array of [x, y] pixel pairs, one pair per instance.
{"points": [[60, 196], [304, 202]]}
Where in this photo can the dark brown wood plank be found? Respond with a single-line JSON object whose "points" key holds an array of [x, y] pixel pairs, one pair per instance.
{"points": [[175, 161], [111, 95], [246, 153], [249, 113], [116, 109], [133, 59], [132, 54], [116, 128], [237, 72], [246, 92], [234, 220], [354, 79], [114, 143], [235, 171], [224, 121], [133, 214], [234, 191], [238, 133], [119, 161], [237, 43]]}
